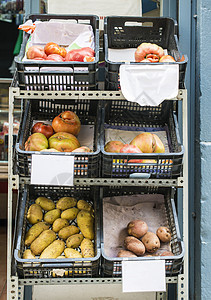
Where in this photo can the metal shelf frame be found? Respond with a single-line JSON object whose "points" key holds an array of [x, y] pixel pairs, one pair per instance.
{"points": [[15, 286]]}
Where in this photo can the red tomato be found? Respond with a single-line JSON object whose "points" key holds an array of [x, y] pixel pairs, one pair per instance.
{"points": [[55, 57], [53, 48], [43, 128], [36, 52], [167, 58], [79, 54], [62, 51]]}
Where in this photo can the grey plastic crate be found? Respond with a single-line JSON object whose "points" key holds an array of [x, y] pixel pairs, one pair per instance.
{"points": [[85, 164], [112, 267], [131, 116], [49, 268], [129, 32], [78, 76]]}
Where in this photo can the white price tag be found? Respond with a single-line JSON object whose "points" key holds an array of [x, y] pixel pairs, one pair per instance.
{"points": [[52, 170], [143, 276]]}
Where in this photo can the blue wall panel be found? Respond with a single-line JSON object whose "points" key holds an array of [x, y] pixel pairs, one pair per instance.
{"points": [[203, 146]]}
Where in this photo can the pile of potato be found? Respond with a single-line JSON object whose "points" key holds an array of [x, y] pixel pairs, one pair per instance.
{"points": [[53, 236], [143, 242]]}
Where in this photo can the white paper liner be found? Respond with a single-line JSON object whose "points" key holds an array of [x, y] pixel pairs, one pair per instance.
{"points": [[127, 136], [66, 33], [63, 32], [120, 210]]}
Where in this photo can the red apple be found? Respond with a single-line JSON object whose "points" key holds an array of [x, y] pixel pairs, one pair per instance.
{"points": [[67, 121], [130, 149], [113, 146], [63, 142], [82, 149], [43, 128], [148, 161], [145, 142], [36, 142]]}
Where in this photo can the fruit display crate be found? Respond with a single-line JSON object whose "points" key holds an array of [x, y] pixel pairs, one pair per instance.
{"points": [[85, 164], [63, 267], [58, 76], [112, 266], [130, 32], [124, 115]]}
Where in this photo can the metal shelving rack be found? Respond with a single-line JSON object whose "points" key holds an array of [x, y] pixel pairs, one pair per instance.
{"points": [[15, 286]]}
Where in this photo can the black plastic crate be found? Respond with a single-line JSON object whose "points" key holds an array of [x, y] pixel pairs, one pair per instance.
{"points": [[112, 267], [79, 76], [130, 32], [49, 268], [85, 164], [122, 114]]}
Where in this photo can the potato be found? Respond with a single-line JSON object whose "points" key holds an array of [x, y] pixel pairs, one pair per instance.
{"points": [[53, 250], [70, 213], [61, 256], [137, 228], [85, 222], [34, 214], [125, 253], [42, 241], [71, 253], [52, 215], [83, 205], [66, 202], [134, 245], [87, 248], [35, 231], [59, 223], [27, 254], [166, 253], [65, 232], [164, 234], [45, 203], [151, 242], [74, 240]]}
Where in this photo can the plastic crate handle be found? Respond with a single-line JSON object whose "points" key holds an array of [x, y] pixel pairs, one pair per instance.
{"points": [[138, 21], [21, 212]]}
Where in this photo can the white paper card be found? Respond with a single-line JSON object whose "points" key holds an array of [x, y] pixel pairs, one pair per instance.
{"points": [[149, 84], [52, 170], [143, 276]]}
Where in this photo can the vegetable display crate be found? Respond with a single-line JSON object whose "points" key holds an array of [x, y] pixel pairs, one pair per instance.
{"points": [[63, 267], [85, 164], [112, 266], [129, 116], [58, 76], [130, 32]]}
